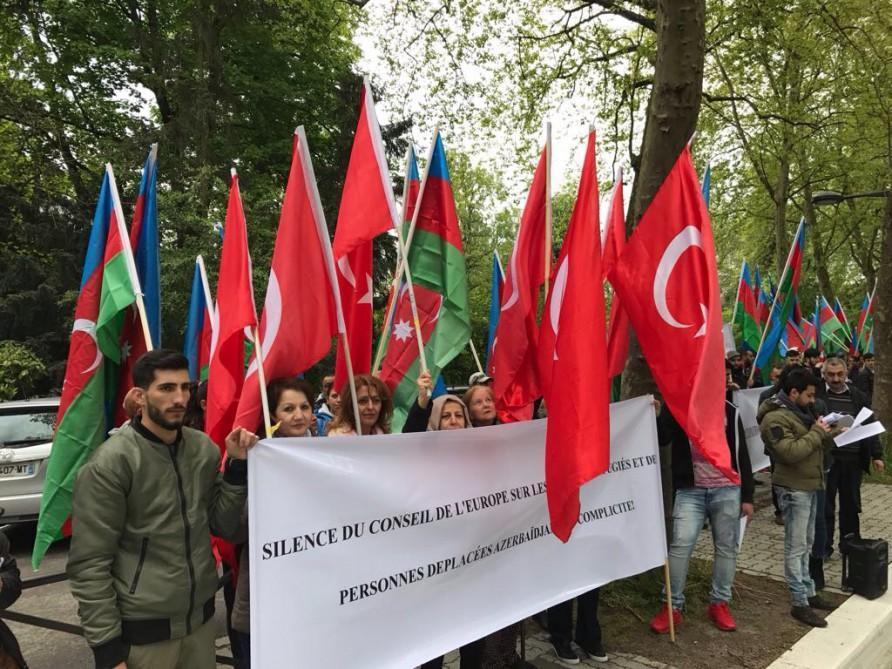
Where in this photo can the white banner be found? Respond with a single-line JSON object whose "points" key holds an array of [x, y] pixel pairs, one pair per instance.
{"points": [[747, 402], [387, 551]]}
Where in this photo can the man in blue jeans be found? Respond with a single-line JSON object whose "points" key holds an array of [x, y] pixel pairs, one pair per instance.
{"points": [[797, 438], [701, 492]]}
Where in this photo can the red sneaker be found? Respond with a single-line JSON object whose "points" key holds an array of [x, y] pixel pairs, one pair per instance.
{"points": [[660, 622], [720, 614]]}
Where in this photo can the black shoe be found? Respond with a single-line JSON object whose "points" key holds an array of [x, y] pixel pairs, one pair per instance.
{"points": [[778, 519], [817, 602], [565, 652], [595, 652], [805, 614], [816, 571]]}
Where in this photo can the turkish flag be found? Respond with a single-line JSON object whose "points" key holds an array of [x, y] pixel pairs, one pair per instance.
{"points": [[513, 359], [367, 209], [669, 285], [618, 334], [299, 317], [235, 312], [577, 438]]}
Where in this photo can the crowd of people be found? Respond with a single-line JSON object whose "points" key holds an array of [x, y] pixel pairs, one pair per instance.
{"points": [[145, 573]]}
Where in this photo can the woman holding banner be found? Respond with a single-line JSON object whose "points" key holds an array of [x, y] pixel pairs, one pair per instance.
{"points": [[448, 412], [292, 414], [375, 408]]}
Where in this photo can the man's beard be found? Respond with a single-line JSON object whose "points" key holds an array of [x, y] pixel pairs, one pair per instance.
{"points": [[157, 417]]}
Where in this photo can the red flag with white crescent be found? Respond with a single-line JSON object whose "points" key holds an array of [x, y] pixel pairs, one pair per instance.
{"points": [[299, 317], [668, 281]]}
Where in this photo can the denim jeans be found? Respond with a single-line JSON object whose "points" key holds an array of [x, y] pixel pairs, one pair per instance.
{"points": [[818, 550], [799, 508], [692, 507]]}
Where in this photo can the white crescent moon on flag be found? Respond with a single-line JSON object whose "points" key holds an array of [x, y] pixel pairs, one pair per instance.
{"points": [[272, 314], [346, 270], [687, 238], [515, 293], [89, 327], [557, 299]]}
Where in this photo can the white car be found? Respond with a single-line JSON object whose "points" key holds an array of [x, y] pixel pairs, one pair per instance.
{"points": [[26, 437]]}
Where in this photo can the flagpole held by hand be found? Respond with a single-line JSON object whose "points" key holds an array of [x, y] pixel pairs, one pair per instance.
{"points": [[261, 382]]}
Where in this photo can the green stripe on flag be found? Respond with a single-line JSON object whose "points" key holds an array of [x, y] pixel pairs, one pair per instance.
{"points": [[117, 294], [82, 429]]}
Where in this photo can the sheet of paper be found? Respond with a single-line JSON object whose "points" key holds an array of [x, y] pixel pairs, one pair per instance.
{"points": [[741, 532], [862, 416], [858, 433], [832, 417]]}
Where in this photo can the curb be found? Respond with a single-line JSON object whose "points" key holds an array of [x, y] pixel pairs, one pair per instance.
{"points": [[859, 634]]}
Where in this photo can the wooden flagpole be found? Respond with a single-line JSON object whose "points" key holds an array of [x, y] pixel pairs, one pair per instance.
{"points": [[397, 275], [548, 209], [261, 381], [325, 242], [128, 257], [669, 600]]}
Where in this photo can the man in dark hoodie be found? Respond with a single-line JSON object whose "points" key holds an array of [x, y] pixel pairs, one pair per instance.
{"points": [[701, 492], [797, 438]]}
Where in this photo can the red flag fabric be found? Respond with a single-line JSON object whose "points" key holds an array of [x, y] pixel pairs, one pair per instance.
{"points": [[577, 439], [235, 312], [668, 281], [299, 317], [367, 209], [618, 333], [513, 359]]}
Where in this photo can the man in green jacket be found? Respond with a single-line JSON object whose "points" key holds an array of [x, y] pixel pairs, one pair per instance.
{"points": [[143, 509], [796, 438]]}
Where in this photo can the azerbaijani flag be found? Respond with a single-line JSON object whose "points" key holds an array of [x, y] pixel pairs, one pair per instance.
{"points": [[786, 301], [864, 342], [495, 301], [437, 263], [841, 315], [199, 324], [108, 286], [833, 332], [746, 316], [144, 242], [792, 337]]}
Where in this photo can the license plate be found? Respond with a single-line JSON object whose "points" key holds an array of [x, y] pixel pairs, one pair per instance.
{"points": [[16, 470]]}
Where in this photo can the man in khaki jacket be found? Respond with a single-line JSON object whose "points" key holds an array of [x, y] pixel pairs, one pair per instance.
{"points": [[797, 438], [143, 508]]}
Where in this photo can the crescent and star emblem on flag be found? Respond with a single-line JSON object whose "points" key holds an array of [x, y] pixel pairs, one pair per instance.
{"points": [[89, 327], [557, 299], [689, 237], [272, 319]]}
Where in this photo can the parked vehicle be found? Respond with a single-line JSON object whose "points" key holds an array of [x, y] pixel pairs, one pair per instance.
{"points": [[26, 437]]}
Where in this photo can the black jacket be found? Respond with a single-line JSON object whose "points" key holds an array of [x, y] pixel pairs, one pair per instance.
{"points": [[669, 432], [12, 588], [863, 451]]}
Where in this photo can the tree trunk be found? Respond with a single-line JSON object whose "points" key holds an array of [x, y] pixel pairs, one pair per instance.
{"points": [[882, 325], [817, 245], [781, 190], [671, 118]]}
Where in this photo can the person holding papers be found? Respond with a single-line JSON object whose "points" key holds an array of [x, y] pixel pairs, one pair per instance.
{"points": [[851, 461], [797, 437]]}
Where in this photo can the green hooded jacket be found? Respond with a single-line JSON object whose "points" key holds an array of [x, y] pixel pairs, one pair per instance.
{"points": [[797, 450]]}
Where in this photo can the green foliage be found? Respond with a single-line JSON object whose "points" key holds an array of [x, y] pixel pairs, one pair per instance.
{"points": [[20, 370]]}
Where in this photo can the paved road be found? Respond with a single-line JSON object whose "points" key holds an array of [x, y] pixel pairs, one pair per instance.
{"points": [[48, 649]]}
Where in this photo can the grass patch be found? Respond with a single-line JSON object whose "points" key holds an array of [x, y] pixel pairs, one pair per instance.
{"points": [[640, 595]]}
